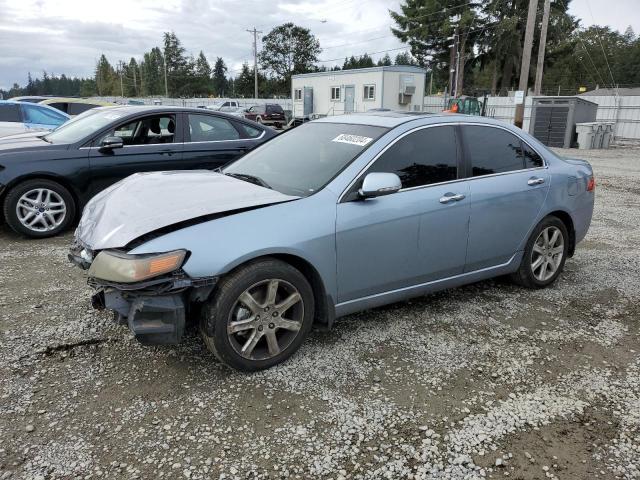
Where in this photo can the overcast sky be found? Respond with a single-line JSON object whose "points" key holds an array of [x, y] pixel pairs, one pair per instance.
{"points": [[67, 36]]}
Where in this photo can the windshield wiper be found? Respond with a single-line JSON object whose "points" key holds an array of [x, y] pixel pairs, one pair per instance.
{"points": [[250, 178], [44, 137]]}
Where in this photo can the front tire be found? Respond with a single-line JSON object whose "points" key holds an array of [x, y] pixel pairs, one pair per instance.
{"points": [[544, 255], [39, 208], [259, 315]]}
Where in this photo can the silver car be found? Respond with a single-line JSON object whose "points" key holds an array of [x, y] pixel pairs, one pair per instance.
{"points": [[336, 216]]}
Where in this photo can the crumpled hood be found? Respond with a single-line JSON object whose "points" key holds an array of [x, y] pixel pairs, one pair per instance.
{"points": [[145, 202]]}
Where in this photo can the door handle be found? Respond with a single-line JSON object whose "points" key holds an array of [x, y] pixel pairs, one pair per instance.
{"points": [[167, 152], [451, 197], [535, 181]]}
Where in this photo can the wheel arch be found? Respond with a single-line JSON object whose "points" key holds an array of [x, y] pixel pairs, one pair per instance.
{"points": [[43, 176], [565, 217], [324, 306]]}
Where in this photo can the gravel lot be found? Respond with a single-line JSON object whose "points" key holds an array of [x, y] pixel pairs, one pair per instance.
{"points": [[484, 381]]}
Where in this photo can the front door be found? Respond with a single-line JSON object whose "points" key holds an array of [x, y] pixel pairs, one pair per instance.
{"points": [[507, 191], [349, 98], [411, 237], [151, 143]]}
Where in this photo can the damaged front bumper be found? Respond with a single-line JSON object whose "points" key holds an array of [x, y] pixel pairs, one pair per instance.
{"points": [[156, 309]]}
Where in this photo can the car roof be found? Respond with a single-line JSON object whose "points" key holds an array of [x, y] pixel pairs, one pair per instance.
{"points": [[136, 109], [74, 100], [36, 105], [391, 119]]}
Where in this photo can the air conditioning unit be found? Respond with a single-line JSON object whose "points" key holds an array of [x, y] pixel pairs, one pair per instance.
{"points": [[409, 90], [404, 99]]}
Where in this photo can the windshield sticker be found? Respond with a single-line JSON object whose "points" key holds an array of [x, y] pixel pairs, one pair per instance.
{"points": [[352, 139]]}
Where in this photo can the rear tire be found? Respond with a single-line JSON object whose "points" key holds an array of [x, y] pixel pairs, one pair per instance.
{"points": [[544, 255], [259, 316], [39, 208]]}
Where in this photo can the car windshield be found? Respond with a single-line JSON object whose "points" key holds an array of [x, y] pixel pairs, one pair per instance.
{"points": [[82, 126], [304, 160]]}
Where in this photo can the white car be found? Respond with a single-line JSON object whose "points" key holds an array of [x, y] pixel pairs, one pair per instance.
{"points": [[21, 117]]}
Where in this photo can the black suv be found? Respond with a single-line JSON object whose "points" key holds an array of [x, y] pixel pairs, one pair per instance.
{"points": [[268, 114]]}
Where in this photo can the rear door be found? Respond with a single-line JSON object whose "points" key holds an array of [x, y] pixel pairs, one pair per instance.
{"points": [[212, 141], [508, 186], [151, 143]]}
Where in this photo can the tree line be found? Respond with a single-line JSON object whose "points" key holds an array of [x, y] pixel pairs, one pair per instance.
{"points": [[489, 35]]}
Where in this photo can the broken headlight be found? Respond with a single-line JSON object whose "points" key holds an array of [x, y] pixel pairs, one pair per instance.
{"points": [[124, 268]]}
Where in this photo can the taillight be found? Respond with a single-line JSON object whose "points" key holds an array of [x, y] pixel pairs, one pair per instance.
{"points": [[591, 184]]}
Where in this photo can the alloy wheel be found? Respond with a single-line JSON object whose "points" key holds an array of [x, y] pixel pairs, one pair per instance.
{"points": [[547, 253], [41, 210], [265, 319]]}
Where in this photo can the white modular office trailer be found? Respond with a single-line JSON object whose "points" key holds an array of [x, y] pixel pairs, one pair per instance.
{"points": [[397, 87]]}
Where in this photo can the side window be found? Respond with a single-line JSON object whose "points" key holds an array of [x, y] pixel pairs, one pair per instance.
{"points": [[492, 150], [77, 108], [250, 131], [9, 113], [207, 128], [42, 116], [427, 156], [297, 94], [63, 107], [335, 93], [531, 158], [146, 131]]}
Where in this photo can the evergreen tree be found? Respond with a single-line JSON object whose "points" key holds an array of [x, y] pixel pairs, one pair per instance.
{"points": [[404, 58], [105, 77], [177, 64], [220, 87], [385, 61]]}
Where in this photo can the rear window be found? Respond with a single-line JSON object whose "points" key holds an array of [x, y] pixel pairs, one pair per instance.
{"points": [[77, 108], [274, 109], [9, 113], [42, 116]]}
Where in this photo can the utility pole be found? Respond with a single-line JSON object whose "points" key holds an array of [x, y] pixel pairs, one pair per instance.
{"points": [[121, 87], [541, 49], [135, 86], [166, 88], [526, 60], [452, 59], [455, 89], [431, 83], [255, 60]]}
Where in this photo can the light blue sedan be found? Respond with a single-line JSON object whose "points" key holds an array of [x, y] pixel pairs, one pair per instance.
{"points": [[336, 216], [21, 117]]}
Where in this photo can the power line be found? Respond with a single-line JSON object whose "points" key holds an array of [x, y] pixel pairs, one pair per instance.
{"points": [[365, 53], [601, 46], [585, 49]]}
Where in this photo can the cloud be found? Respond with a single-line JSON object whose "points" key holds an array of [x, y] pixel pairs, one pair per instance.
{"points": [[68, 36]]}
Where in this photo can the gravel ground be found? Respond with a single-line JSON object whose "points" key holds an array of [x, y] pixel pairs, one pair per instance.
{"points": [[485, 381]]}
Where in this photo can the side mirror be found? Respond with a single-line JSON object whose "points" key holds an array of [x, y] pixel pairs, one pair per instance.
{"points": [[378, 184], [110, 143]]}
